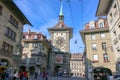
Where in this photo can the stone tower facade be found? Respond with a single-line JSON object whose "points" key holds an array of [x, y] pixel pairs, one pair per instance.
{"points": [[60, 36]]}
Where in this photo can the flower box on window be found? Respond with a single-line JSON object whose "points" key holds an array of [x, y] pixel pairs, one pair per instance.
{"points": [[95, 61], [106, 61]]}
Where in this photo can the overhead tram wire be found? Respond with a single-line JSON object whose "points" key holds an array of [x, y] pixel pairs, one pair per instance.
{"points": [[72, 18], [82, 20], [82, 15]]}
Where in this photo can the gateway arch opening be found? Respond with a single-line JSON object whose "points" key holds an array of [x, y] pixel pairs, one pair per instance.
{"points": [[102, 73]]}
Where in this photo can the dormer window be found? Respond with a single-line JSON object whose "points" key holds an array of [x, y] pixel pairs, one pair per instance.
{"points": [[92, 27], [91, 24], [35, 37], [101, 25], [27, 37]]}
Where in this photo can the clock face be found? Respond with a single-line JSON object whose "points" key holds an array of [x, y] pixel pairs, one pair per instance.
{"points": [[60, 42]]}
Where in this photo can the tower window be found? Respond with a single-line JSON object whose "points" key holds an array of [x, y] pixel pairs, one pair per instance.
{"points": [[35, 37], [101, 25], [92, 27]]}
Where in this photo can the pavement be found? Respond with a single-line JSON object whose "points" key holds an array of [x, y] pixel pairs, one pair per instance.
{"points": [[54, 78], [57, 78]]}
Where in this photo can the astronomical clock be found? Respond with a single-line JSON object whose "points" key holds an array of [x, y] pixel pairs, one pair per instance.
{"points": [[60, 42]]}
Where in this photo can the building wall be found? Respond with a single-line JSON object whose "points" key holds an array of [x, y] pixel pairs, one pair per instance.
{"points": [[114, 23], [99, 51], [37, 55], [95, 54], [4, 23], [77, 65]]}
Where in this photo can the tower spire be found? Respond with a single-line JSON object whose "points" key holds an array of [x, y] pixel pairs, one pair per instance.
{"points": [[61, 16], [61, 8]]}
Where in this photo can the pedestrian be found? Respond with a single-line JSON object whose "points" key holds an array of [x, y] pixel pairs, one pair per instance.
{"points": [[25, 77], [45, 75], [7, 75], [36, 74], [104, 77], [15, 75], [3, 76], [21, 75], [95, 76]]}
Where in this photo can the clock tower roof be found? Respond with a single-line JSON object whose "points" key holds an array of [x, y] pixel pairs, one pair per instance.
{"points": [[60, 26], [60, 23]]}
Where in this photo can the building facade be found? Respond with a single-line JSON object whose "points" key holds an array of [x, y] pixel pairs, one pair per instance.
{"points": [[35, 51], [112, 11], [60, 36], [98, 53], [11, 27], [77, 65]]}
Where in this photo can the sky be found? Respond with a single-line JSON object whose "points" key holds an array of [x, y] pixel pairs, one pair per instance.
{"points": [[44, 14]]}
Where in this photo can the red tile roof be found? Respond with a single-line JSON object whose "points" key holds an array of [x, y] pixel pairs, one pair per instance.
{"points": [[87, 26], [34, 35]]}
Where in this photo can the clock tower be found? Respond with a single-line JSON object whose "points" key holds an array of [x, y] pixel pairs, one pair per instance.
{"points": [[60, 35]]}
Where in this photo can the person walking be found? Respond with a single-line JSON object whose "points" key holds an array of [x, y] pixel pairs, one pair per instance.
{"points": [[25, 77], [7, 75], [45, 75], [15, 75], [35, 75], [3, 76], [21, 75]]}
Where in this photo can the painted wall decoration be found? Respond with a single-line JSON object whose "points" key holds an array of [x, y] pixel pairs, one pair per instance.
{"points": [[59, 58]]}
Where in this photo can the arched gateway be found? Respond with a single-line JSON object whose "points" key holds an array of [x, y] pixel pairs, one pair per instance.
{"points": [[102, 73], [7, 62]]}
